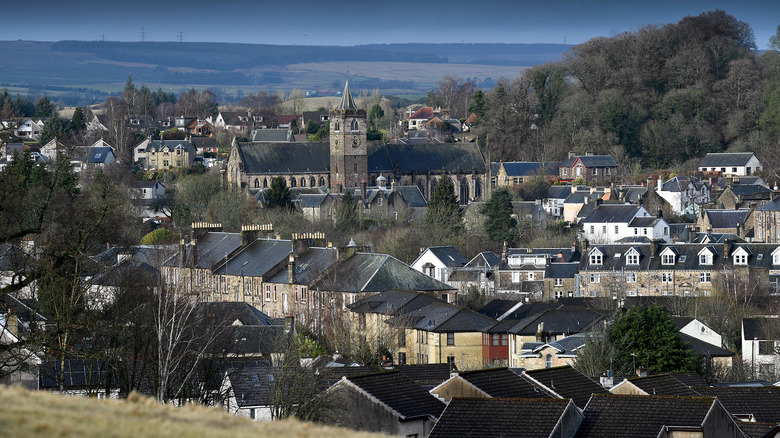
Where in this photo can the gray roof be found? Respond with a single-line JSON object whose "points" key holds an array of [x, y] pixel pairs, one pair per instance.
{"points": [[378, 273], [562, 270], [590, 161], [727, 218], [309, 265], [726, 159], [212, 248], [347, 103], [505, 383], [99, 154], [773, 205], [612, 213], [158, 145], [399, 393], [558, 192], [761, 401], [412, 196], [259, 158], [528, 168], [393, 302], [251, 385], [443, 317], [257, 258], [271, 135], [448, 255], [568, 383], [435, 157]]}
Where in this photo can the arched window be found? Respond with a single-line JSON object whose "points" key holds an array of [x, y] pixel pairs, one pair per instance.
{"points": [[322, 182], [257, 183], [303, 182], [265, 183], [312, 182], [548, 362], [464, 191], [292, 182], [336, 126], [354, 126], [478, 188], [355, 167]]}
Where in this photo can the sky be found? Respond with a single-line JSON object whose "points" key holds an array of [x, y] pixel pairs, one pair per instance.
{"points": [[350, 22]]}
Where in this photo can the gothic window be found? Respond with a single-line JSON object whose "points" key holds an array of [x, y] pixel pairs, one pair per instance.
{"points": [[292, 182], [312, 182], [265, 183], [355, 168], [336, 127], [354, 126], [322, 181], [257, 183], [478, 188], [464, 191], [303, 182]]}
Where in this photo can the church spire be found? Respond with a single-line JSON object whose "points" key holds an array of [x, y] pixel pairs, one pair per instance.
{"points": [[346, 100]]}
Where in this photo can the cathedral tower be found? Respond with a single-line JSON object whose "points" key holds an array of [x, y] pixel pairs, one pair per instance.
{"points": [[348, 148]]}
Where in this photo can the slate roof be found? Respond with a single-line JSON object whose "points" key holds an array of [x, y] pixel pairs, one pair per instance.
{"points": [[427, 375], [689, 379], [393, 302], [758, 430], [308, 200], [378, 273], [497, 307], [309, 265], [412, 196], [663, 384], [79, 373], [399, 393], [562, 270], [246, 340], [612, 213], [204, 142], [494, 167], [753, 328], [443, 317], [484, 259], [271, 136], [211, 249], [726, 159], [434, 157], [257, 258], [702, 348], [590, 161], [528, 168], [568, 383], [609, 415], [99, 154], [504, 383], [251, 385], [227, 312], [773, 205], [567, 320], [761, 401], [532, 309], [448, 255], [158, 145], [743, 190], [567, 346], [507, 418], [558, 192], [295, 158]]}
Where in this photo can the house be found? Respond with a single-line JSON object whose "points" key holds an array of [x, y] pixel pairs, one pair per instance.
{"points": [[30, 129], [205, 145], [761, 344], [508, 418], [553, 202], [249, 392], [609, 223], [479, 272], [52, 150], [236, 121], [317, 206], [149, 190], [167, 154], [743, 196], [515, 173], [723, 221], [499, 383], [660, 384], [541, 355], [731, 163], [568, 383], [684, 194], [660, 416], [589, 167], [439, 262], [84, 377], [766, 222], [580, 197], [703, 341], [747, 403], [388, 403], [97, 156], [99, 123], [419, 117], [319, 117]]}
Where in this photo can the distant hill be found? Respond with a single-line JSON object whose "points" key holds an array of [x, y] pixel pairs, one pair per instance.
{"points": [[84, 68]]}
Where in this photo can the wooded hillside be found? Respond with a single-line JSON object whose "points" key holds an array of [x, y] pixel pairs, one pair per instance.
{"points": [[663, 95]]}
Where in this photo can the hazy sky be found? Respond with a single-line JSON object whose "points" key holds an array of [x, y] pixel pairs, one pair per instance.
{"points": [[349, 22]]}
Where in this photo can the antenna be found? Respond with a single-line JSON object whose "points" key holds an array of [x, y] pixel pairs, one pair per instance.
{"points": [[143, 34], [181, 36]]}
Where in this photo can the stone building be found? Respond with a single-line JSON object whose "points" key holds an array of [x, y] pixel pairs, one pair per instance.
{"points": [[349, 159]]}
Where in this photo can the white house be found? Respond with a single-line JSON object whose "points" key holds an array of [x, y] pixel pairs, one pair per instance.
{"points": [[30, 129], [248, 392], [609, 223], [731, 163], [148, 190], [684, 195], [760, 345], [439, 262]]}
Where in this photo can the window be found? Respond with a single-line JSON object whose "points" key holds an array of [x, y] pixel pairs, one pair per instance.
{"points": [[607, 171], [596, 258], [268, 292], [496, 339], [445, 298], [592, 229], [766, 347], [617, 229], [559, 282], [636, 231], [450, 338], [603, 229], [630, 277], [666, 231], [558, 294], [451, 361], [531, 276], [402, 338], [595, 278], [275, 294], [632, 258], [734, 169], [667, 259], [303, 294], [515, 277], [595, 171], [667, 277], [740, 259], [504, 340], [548, 361], [401, 358], [704, 277], [336, 127], [354, 126], [705, 259]]}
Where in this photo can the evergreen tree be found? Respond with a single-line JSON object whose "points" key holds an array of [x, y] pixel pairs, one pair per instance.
{"points": [[279, 195], [444, 218], [647, 337], [346, 213], [499, 223], [77, 122], [44, 108]]}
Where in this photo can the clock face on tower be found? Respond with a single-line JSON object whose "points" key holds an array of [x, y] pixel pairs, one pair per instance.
{"points": [[355, 141]]}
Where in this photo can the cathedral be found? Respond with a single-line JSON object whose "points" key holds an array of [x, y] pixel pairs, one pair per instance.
{"points": [[349, 160]]}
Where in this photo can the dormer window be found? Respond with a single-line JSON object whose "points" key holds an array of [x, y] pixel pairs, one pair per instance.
{"points": [[667, 259], [740, 256], [632, 257], [705, 258], [596, 258], [776, 256]]}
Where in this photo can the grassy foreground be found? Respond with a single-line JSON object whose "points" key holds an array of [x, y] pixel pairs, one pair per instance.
{"points": [[42, 414]]}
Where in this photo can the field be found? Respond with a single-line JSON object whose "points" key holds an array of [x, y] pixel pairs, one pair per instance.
{"points": [[42, 414]]}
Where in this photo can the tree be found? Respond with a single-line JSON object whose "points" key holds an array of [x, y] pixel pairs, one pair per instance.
{"points": [[160, 236], [44, 108], [774, 40], [444, 218], [77, 122], [374, 114], [55, 127], [647, 336], [499, 223], [279, 195], [346, 213]]}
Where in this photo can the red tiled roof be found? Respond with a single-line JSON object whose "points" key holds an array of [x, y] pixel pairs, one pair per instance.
{"points": [[425, 112]]}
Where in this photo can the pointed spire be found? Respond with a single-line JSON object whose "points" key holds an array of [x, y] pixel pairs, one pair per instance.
{"points": [[346, 100]]}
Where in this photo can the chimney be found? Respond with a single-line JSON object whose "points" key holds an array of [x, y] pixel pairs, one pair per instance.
{"points": [[289, 324], [182, 253], [726, 248], [650, 182], [392, 186], [248, 235], [540, 335], [660, 213], [12, 324], [660, 184], [363, 189], [503, 252], [653, 248], [584, 246], [291, 269], [572, 154], [193, 254], [343, 253], [201, 228], [691, 233]]}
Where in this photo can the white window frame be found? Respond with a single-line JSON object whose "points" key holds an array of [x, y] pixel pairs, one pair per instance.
{"points": [[595, 277], [559, 282], [667, 277], [596, 258], [515, 277], [630, 277], [667, 259]]}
